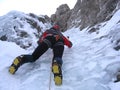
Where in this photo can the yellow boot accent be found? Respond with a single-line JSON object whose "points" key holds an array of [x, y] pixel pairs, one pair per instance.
{"points": [[55, 68], [58, 80], [12, 70], [16, 62]]}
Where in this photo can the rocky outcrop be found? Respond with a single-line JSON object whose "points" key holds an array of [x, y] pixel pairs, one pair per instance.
{"points": [[22, 28], [61, 16], [86, 13], [91, 12]]}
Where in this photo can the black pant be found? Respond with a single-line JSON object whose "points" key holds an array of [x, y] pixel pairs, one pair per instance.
{"points": [[43, 47], [58, 53]]}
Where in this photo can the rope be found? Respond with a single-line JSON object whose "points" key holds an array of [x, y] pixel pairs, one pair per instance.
{"points": [[50, 79]]}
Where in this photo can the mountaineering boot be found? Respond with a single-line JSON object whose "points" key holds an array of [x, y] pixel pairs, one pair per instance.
{"points": [[56, 69], [16, 64]]}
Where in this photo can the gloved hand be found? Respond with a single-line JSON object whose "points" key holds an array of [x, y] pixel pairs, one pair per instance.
{"points": [[70, 44]]}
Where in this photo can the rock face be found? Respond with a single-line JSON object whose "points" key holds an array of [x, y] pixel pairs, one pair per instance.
{"points": [[86, 13], [61, 16]]}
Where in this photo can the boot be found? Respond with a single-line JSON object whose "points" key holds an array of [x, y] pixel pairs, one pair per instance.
{"points": [[56, 69], [16, 64]]}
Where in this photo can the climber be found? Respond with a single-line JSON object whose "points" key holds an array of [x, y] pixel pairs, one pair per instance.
{"points": [[51, 38]]}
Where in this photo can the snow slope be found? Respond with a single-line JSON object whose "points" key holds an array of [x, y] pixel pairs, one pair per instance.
{"points": [[23, 29], [91, 64]]}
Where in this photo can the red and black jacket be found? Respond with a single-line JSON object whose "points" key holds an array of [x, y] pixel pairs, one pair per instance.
{"points": [[54, 37]]}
